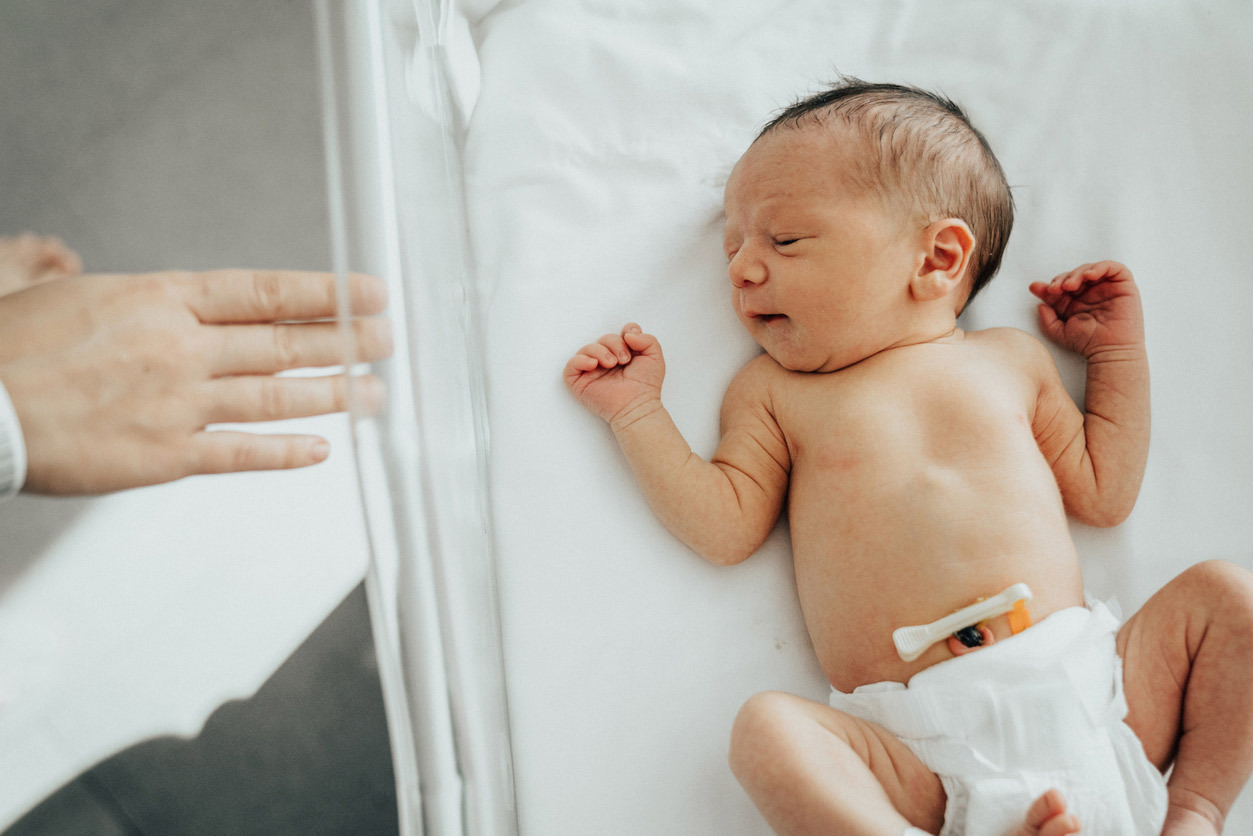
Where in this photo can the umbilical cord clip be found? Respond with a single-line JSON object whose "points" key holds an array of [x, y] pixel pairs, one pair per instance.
{"points": [[967, 624]]}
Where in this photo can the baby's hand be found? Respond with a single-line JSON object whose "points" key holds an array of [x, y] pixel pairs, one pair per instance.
{"points": [[1092, 308], [617, 373]]}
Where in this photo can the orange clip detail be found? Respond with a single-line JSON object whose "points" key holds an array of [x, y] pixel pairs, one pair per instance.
{"points": [[1019, 618]]}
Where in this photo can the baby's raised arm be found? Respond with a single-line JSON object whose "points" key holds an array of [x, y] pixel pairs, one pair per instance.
{"points": [[1098, 456], [723, 508]]}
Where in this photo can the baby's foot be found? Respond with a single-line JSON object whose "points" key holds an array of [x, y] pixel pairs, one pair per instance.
{"points": [[1048, 817], [28, 259]]}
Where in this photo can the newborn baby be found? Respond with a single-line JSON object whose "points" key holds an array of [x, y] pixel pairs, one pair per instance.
{"points": [[925, 468]]}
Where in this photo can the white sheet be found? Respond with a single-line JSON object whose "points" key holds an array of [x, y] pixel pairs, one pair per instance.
{"points": [[595, 161]]}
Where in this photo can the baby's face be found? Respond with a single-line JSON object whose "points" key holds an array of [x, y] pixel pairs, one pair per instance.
{"points": [[819, 271]]}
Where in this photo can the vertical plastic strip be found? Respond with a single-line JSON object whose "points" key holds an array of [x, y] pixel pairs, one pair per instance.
{"points": [[399, 211], [380, 594], [412, 677], [466, 563], [402, 451], [472, 636]]}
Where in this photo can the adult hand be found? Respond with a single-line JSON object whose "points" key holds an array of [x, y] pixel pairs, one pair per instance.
{"points": [[115, 378], [28, 259]]}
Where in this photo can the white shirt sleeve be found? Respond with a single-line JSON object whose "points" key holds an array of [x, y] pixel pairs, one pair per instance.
{"points": [[12, 449]]}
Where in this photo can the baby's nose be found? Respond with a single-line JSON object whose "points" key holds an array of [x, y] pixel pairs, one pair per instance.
{"points": [[744, 269]]}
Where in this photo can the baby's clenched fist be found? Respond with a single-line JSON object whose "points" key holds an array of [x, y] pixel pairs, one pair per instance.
{"points": [[617, 373]]}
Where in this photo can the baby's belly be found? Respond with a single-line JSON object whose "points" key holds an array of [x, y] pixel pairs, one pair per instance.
{"points": [[860, 576]]}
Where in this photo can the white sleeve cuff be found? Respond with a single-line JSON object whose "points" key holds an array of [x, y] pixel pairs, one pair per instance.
{"points": [[12, 449]]}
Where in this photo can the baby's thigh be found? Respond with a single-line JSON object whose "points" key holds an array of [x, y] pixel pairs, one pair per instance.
{"points": [[812, 745]]}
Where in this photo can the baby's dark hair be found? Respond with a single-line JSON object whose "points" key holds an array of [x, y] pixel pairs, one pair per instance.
{"points": [[928, 153]]}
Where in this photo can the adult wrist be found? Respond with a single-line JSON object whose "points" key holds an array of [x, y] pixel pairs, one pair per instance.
{"points": [[12, 448]]}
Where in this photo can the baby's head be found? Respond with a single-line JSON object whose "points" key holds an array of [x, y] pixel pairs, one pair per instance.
{"points": [[860, 218]]}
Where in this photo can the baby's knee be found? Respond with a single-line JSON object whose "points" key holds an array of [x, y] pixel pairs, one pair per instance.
{"points": [[1214, 599], [1223, 588], [762, 733], [757, 726]]}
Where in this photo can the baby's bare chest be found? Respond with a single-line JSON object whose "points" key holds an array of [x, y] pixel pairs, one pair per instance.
{"points": [[888, 426]]}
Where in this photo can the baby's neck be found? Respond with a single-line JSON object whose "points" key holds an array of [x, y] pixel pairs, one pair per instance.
{"points": [[949, 336]]}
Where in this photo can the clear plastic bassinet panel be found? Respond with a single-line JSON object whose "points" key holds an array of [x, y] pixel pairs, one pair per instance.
{"points": [[393, 130]]}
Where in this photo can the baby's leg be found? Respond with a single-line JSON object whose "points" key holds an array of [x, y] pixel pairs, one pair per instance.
{"points": [[1188, 672], [812, 769]]}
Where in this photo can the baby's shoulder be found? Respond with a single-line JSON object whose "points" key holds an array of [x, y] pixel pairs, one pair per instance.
{"points": [[1012, 345], [1022, 354], [761, 369], [757, 377]]}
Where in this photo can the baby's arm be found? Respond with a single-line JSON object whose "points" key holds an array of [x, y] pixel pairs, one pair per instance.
{"points": [[1098, 456], [723, 508]]}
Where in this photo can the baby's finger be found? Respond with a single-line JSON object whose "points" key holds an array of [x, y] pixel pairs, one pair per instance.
{"points": [[577, 366], [602, 355], [608, 357], [1111, 271], [1055, 282], [1076, 278], [583, 363], [642, 343], [615, 343], [1053, 287], [1050, 324]]}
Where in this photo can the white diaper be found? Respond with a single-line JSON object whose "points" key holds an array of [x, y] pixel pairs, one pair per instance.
{"points": [[1038, 710]]}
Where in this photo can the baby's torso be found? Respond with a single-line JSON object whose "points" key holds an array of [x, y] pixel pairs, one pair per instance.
{"points": [[916, 488]]}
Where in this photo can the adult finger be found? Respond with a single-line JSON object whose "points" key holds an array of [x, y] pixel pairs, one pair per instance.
{"points": [[252, 398], [264, 349], [242, 296], [228, 451]]}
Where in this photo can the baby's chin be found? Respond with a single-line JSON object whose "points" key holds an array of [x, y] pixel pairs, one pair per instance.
{"points": [[813, 359], [791, 360], [791, 347]]}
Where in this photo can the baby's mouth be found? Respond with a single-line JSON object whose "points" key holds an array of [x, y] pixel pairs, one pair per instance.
{"points": [[770, 319]]}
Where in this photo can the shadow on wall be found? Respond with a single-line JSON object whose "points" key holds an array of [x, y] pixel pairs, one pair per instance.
{"points": [[306, 754]]}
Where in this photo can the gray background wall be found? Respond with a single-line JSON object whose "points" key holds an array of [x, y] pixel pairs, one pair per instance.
{"points": [[156, 134]]}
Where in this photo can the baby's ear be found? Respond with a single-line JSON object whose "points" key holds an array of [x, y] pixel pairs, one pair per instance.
{"points": [[947, 246]]}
